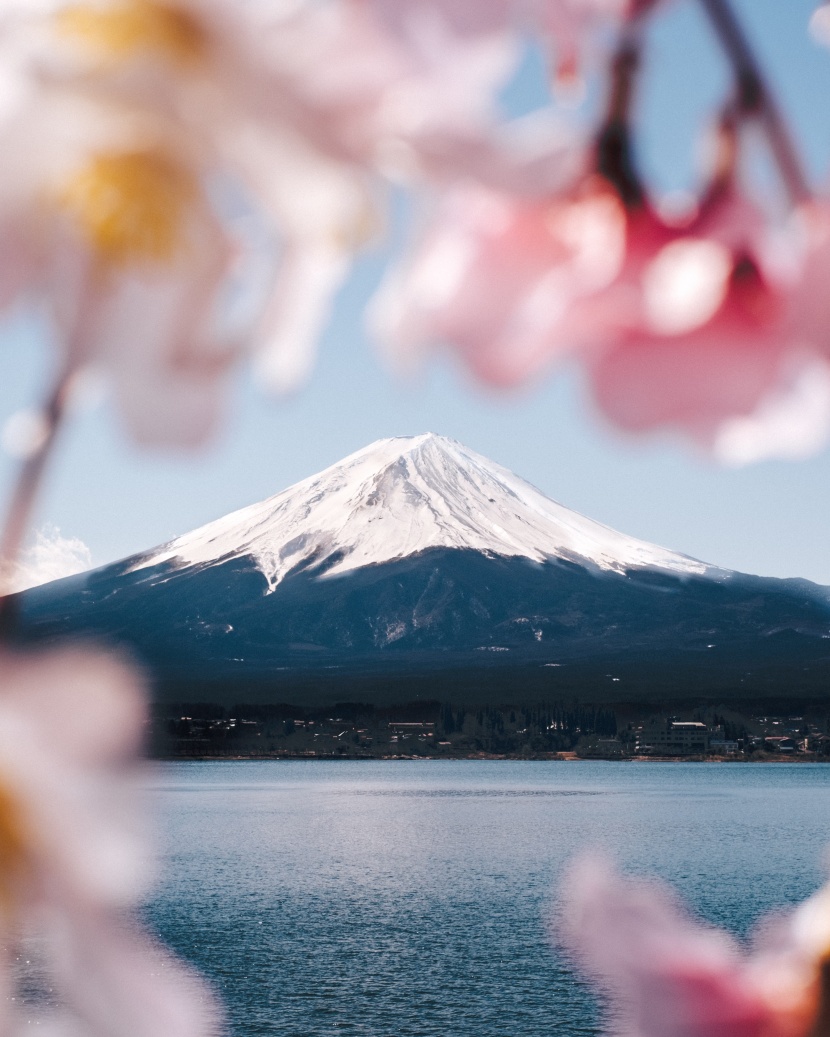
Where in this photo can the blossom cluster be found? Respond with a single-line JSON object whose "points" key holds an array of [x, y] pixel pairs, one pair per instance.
{"points": [[666, 974], [708, 320], [73, 857], [190, 179], [188, 182]]}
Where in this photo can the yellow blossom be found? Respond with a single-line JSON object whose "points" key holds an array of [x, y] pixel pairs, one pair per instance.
{"points": [[14, 849], [131, 205], [124, 29]]}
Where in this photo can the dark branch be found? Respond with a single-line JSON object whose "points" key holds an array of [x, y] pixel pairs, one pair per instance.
{"points": [[756, 99], [24, 496]]}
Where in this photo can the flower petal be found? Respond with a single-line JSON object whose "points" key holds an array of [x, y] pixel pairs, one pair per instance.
{"points": [[666, 974]]}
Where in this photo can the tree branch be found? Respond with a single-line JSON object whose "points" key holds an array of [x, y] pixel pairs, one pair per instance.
{"points": [[24, 495], [755, 97]]}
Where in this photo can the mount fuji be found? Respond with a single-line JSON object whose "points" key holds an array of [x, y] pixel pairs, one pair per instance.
{"points": [[399, 497], [416, 567]]}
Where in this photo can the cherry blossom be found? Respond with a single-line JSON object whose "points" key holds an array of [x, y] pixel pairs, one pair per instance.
{"points": [[724, 334], [820, 24], [109, 209], [74, 851], [301, 98], [667, 975], [569, 26], [130, 119], [692, 332], [495, 278], [111, 226], [705, 325], [709, 322], [132, 114], [153, 114], [565, 25]]}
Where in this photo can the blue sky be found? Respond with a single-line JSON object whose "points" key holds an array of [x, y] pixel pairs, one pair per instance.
{"points": [[769, 518]]}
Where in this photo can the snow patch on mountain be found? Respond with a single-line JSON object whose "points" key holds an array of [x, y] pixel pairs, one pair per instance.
{"points": [[397, 497]]}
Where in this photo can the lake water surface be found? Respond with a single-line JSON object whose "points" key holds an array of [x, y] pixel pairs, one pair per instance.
{"points": [[412, 898]]}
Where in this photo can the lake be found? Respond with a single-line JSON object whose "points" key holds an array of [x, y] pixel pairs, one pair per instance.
{"points": [[412, 898]]}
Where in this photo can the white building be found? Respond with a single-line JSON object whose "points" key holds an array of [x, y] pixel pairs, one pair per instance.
{"points": [[674, 738]]}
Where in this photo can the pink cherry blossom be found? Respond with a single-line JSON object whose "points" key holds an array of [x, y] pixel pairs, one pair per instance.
{"points": [[820, 24], [110, 224], [129, 115], [495, 277], [693, 330], [299, 109], [566, 24], [810, 305], [707, 327], [569, 27], [75, 859], [666, 974]]}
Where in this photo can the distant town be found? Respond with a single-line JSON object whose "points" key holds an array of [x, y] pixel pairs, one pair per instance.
{"points": [[435, 730]]}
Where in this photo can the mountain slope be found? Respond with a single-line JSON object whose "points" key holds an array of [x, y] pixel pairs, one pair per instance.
{"points": [[398, 497], [417, 556]]}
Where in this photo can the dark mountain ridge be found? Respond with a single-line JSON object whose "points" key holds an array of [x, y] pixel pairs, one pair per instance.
{"points": [[504, 624], [417, 569]]}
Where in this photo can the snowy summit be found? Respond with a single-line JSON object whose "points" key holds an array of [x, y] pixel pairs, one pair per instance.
{"points": [[397, 497]]}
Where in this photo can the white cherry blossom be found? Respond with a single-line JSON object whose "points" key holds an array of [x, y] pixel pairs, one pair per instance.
{"points": [[74, 851]]}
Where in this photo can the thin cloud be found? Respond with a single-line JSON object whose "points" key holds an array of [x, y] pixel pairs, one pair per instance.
{"points": [[51, 557]]}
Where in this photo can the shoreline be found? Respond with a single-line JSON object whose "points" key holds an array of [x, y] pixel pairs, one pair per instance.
{"points": [[565, 757]]}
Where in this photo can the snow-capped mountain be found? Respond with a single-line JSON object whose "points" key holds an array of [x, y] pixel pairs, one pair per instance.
{"points": [[397, 497], [417, 568]]}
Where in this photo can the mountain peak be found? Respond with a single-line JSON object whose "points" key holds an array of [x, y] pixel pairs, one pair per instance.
{"points": [[397, 497], [402, 446], [407, 443]]}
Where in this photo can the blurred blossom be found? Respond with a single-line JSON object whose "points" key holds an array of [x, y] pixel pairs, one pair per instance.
{"points": [[820, 25], [132, 113], [24, 432], [144, 137], [131, 118], [495, 278], [106, 219], [725, 330], [233, 83], [74, 854], [566, 25], [791, 423], [665, 974], [569, 26], [706, 322], [709, 322]]}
